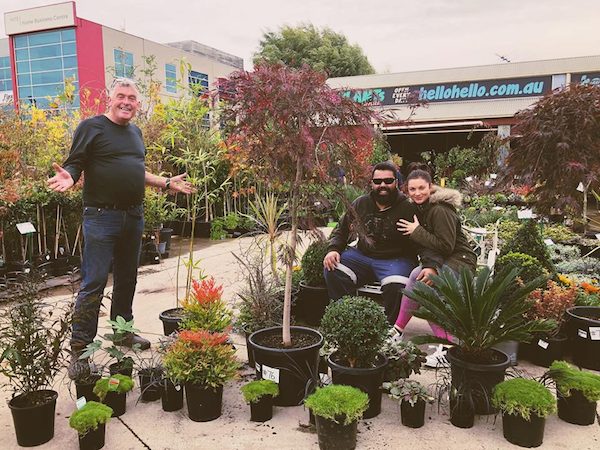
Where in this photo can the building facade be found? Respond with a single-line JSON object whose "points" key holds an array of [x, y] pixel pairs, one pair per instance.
{"points": [[439, 109], [49, 45]]}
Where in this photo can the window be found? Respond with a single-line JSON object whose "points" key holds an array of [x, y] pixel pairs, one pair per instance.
{"points": [[198, 81], [5, 75], [171, 78], [123, 63], [44, 61], [559, 81]]}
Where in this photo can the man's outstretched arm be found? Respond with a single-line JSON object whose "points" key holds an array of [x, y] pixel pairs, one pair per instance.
{"points": [[61, 181], [175, 184]]}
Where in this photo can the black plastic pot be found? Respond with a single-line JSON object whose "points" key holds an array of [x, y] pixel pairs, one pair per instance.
{"points": [[584, 336], [204, 403], [150, 384], [249, 349], [576, 408], [34, 425], [122, 368], [462, 409], [165, 236], [336, 436], [117, 401], [93, 439], [171, 319], [86, 389], [412, 416], [171, 396], [521, 432], [311, 303], [368, 380], [296, 368], [480, 379], [543, 351], [262, 409]]}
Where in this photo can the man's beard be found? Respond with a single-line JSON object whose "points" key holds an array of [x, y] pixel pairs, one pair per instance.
{"points": [[385, 200]]}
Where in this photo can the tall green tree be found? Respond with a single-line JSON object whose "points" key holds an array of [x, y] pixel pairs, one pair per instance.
{"points": [[323, 50]]}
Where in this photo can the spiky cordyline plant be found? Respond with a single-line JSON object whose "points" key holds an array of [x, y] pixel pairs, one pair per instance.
{"points": [[478, 310]]}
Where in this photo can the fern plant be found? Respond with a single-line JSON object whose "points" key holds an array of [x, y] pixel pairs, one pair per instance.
{"points": [[478, 310]]}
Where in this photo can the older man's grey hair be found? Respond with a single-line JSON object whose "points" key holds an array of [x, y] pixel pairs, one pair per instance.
{"points": [[122, 82]]}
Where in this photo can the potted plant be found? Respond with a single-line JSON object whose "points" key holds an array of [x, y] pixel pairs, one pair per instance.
{"points": [[259, 394], [524, 404], [357, 327], [578, 393], [550, 303], [291, 143], [313, 297], [412, 396], [158, 210], [204, 308], [204, 364], [90, 424], [113, 390], [584, 339], [32, 333], [404, 358], [150, 374], [479, 311], [337, 410]]}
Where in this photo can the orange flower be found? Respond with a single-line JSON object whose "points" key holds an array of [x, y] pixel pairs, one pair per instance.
{"points": [[206, 292], [203, 338], [590, 288]]}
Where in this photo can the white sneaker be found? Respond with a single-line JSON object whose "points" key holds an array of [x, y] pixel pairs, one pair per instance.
{"points": [[395, 335], [437, 359]]}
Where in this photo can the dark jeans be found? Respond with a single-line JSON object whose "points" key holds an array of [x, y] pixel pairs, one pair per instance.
{"points": [[115, 236], [356, 269]]}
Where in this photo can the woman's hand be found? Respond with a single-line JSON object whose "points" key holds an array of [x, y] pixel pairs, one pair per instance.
{"points": [[406, 227]]}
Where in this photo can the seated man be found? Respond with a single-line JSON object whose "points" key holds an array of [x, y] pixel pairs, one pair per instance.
{"points": [[382, 253]]}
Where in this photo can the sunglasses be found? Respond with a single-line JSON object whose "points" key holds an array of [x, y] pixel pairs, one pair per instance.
{"points": [[378, 181]]}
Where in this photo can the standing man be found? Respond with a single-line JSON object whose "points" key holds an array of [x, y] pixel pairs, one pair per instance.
{"points": [[382, 253], [110, 151]]}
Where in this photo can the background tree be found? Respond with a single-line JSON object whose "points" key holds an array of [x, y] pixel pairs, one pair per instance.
{"points": [[291, 127], [556, 146], [323, 50]]}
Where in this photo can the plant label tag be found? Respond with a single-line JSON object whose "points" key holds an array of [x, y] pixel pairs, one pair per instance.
{"points": [[113, 384], [493, 176], [469, 179], [582, 333], [595, 333], [548, 241], [580, 187], [177, 387], [525, 214], [25, 228], [542, 343], [269, 373], [487, 183], [257, 367], [80, 402], [598, 236]]}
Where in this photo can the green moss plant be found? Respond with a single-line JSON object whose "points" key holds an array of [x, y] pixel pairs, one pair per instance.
{"points": [[523, 397], [568, 378], [338, 403], [102, 385], [257, 389], [90, 417]]}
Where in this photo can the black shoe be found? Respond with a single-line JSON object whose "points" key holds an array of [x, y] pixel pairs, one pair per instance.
{"points": [[131, 339], [78, 368]]}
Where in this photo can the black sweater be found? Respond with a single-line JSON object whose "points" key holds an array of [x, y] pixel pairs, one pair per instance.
{"points": [[112, 157]]}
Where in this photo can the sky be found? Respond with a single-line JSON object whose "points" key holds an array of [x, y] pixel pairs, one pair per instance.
{"points": [[395, 35]]}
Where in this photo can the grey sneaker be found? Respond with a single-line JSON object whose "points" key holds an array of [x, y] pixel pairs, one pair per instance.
{"points": [[78, 367]]}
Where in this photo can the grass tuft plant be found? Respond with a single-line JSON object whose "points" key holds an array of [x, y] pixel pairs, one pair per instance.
{"points": [[257, 389], [568, 377], [89, 417], [338, 403], [103, 385], [523, 397]]}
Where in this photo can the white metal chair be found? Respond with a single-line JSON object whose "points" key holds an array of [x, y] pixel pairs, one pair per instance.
{"points": [[485, 244]]}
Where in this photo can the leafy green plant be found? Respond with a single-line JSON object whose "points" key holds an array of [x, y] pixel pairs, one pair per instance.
{"points": [[158, 209], [530, 266], [32, 336], [201, 357], [338, 403], [357, 328], [568, 377], [104, 385], [217, 229], [89, 417], [121, 329], [587, 265], [312, 263], [522, 397], [587, 299], [558, 233], [406, 390], [257, 389], [205, 309], [528, 240], [561, 253], [404, 358], [478, 310]]}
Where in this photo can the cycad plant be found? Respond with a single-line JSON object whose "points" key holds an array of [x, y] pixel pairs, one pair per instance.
{"points": [[478, 310]]}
